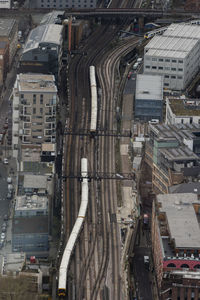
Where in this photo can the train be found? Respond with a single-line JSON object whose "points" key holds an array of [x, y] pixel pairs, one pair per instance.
{"points": [[63, 269], [161, 30], [93, 89]]}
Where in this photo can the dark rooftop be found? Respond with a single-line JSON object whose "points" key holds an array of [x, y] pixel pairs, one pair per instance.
{"points": [[33, 224]]}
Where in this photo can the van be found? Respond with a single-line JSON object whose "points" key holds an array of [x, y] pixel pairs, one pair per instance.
{"points": [[154, 121], [139, 60], [135, 66]]}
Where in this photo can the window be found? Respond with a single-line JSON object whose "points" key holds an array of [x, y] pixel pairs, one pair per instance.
{"points": [[180, 77], [160, 68], [167, 68], [173, 69], [167, 60], [180, 69], [147, 67], [154, 59], [166, 84], [41, 99], [166, 76], [35, 57], [34, 110], [34, 99], [41, 110], [154, 67], [173, 77], [174, 60], [22, 96], [180, 61], [160, 59]]}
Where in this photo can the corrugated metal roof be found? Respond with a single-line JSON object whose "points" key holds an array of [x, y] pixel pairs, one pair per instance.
{"points": [[166, 53], [149, 87], [183, 30], [50, 33]]}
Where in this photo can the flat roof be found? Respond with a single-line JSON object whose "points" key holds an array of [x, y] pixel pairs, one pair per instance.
{"points": [[149, 87], [49, 147], [48, 33], [13, 262], [35, 181], [182, 220], [36, 83], [166, 53], [171, 43], [178, 154], [37, 167], [52, 17], [183, 30], [31, 202], [181, 108], [190, 187], [6, 26], [25, 225]]}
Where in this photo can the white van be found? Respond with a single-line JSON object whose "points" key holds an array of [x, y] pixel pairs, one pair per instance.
{"points": [[139, 60], [135, 66], [154, 121]]}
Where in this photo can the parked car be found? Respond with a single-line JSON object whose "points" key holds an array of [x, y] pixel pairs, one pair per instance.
{"points": [[9, 179], [9, 195], [3, 229], [3, 235], [5, 218], [10, 187], [5, 161]]}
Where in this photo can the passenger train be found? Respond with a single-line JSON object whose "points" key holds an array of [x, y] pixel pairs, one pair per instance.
{"points": [[93, 88], [161, 30], [63, 270]]}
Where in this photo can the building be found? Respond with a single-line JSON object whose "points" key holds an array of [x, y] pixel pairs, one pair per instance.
{"points": [[189, 187], [5, 4], [193, 5], [172, 152], [62, 4], [9, 34], [185, 111], [34, 110], [176, 245], [4, 58], [54, 17], [42, 51], [148, 97], [31, 235], [175, 55], [33, 205]]}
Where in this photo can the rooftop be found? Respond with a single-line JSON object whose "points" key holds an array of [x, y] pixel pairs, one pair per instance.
{"points": [[53, 17], [179, 153], [26, 225], [31, 202], [36, 83], [12, 262], [35, 181], [44, 34], [184, 108], [31, 153], [6, 26], [181, 218], [168, 43], [183, 30], [36, 167], [149, 87], [190, 187]]}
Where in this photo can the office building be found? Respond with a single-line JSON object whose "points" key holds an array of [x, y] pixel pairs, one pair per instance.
{"points": [[185, 111], [5, 4], [172, 152], [148, 97], [175, 55], [34, 110], [176, 245]]}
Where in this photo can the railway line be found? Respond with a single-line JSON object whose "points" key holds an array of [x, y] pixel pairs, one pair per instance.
{"points": [[97, 250]]}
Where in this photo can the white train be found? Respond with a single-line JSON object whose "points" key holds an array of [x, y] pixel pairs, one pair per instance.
{"points": [[160, 31], [93, 88], [63, 270]]}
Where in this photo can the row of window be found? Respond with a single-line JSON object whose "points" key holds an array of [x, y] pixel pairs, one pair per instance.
{"points": [[180, 61], [173, 77], [67, 6], [164, 68], [85, 1]]}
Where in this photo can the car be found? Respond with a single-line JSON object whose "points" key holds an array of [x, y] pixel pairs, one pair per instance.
{"points": [[9, 179], [154, 121], [135, 66], [3, 235], [3, 229], [3, 225], [9, 195], [5, 218], [5, 161], [10, 187]]}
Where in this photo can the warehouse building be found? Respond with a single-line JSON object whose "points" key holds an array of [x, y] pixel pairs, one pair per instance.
{"points": [[175, 55], [42, 52], [34, 110], [62, 4], [176, 245], [149, 97]]}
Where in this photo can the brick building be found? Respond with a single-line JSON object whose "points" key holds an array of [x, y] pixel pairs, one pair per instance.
{"points": [[4, 57], [176, 245]]}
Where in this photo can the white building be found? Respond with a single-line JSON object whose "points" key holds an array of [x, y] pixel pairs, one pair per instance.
{"points": [[34, 110], [175, 55], [5, 4], [182, 111]]}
